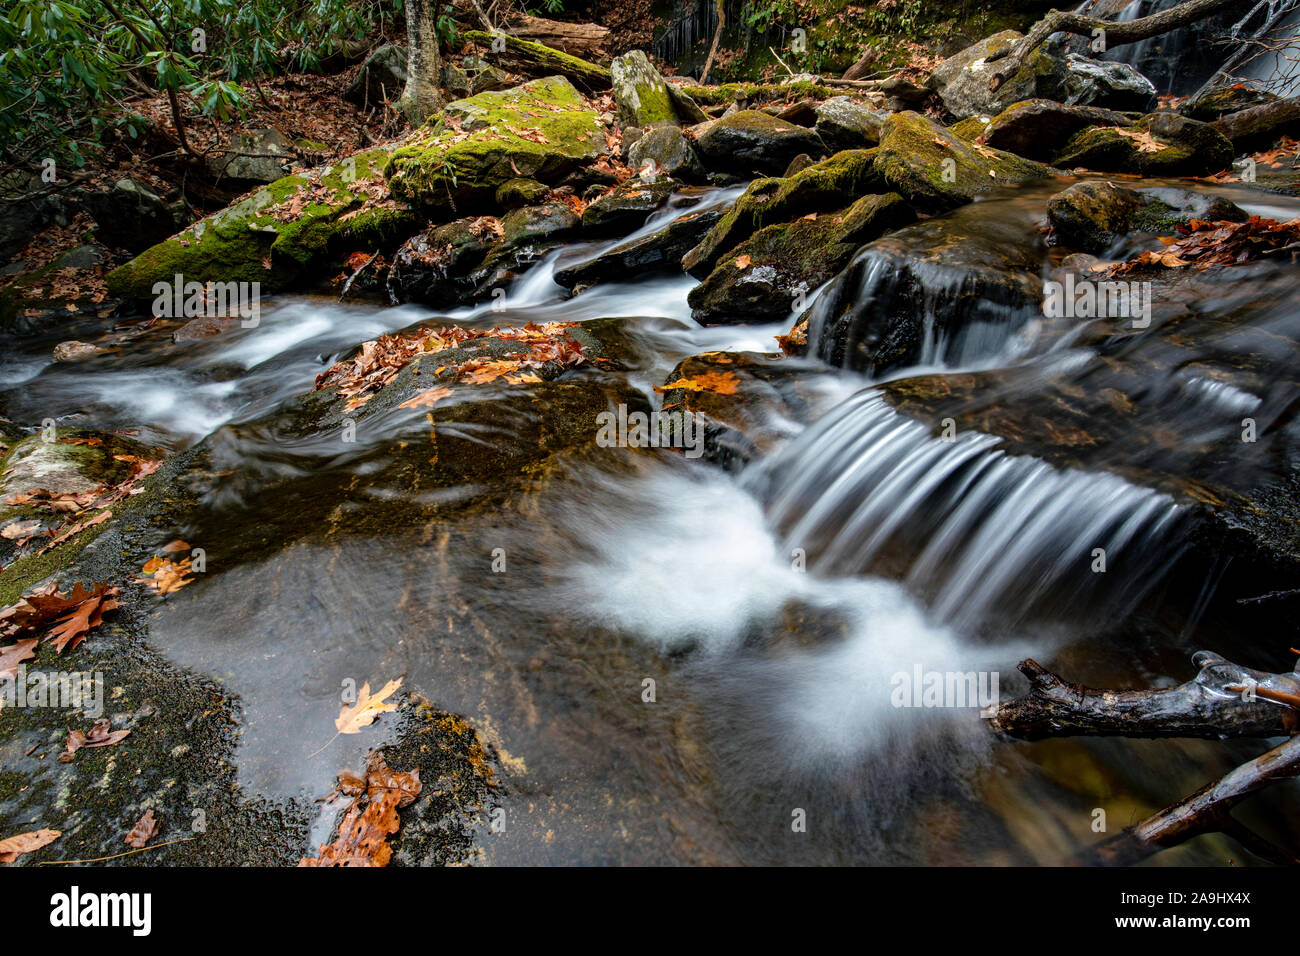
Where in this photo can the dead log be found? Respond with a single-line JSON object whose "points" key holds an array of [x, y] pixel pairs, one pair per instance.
{"points": [[1259, 126], [537, 59], [1208, 811], [862, 66], [587, 40], [1203, 707], [1117, 33]]}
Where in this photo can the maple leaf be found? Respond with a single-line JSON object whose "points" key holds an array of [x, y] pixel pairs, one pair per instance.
{"points": [[724, 383], [11, 848], [15, 654], [143, 831], [742, 262], [426, 399]]}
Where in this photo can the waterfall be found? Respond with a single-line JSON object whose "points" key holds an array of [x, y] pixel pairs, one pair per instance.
{"points": [[984, 535]]}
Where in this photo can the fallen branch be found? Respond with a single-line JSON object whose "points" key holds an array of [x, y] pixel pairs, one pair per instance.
{"points": [[353, 278], [713, 47], [1203, 707], [1208, 811], [1117, 33]]}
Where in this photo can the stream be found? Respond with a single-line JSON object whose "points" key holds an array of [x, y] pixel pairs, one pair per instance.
{"points": [[771, 681]]}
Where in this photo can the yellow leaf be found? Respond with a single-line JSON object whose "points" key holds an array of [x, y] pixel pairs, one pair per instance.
{"points": [[724, 383], [426, 399], [367, 708]]}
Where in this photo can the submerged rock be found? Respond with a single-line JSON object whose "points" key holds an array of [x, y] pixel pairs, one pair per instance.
{"points": [[751, 141], [540, 130], [770, 273], [1093, 216]]}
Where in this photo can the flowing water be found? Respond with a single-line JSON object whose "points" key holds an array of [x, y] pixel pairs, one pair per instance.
{"points": [[772, 611]]}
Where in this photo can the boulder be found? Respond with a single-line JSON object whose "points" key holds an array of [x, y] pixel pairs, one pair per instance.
{"points": [[74, 351], [1038, 129], [626, 207], [514, 193], [1093, 216], [641, 93], [962, 80], [1158, 144], [254, 156], [381, 79], [751, 141], [936, 170], [129, 216], [1217, 103], [770, 273], [281, 234], [660, 251], [670, 152], [540, 130], [843, 124], [436, 266]]}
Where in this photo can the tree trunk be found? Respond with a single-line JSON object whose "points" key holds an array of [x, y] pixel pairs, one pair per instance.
{"points": [[1116, 32], [422, 96], [717, 35]]}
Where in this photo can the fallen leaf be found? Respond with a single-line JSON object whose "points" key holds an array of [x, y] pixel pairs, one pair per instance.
{"points": [[742, 262], [101, 734], [724, 383], [13, 847], [368, 707], [426, 399], [19, 529], [15, 654], [143, 831]]}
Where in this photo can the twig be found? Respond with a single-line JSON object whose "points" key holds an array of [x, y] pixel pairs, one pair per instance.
{"points": [[346, 286], [115, 856]]}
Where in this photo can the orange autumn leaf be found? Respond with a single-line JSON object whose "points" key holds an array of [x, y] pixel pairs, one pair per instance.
{"points": [[368, 707], [723, 383], [742, 262], [11, 848], [426, 399]]}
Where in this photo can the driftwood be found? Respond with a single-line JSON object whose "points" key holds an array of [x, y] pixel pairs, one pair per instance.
{"points": [[587, 40], [1116, 32], [1223, 700], [1202, 707], [537, 59]]}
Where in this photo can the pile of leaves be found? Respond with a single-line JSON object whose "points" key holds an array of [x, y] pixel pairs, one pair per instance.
{"points": [[165, 574], [1203, 244], [69, 617], [1287, 148], [360, 378], [371, 818]]}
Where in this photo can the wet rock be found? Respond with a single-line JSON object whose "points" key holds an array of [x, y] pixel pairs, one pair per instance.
{"points": [[73, 351], [129, 216], [753, 141], [962, 81], [671, 153], [843, 124], [440, 168], [626, 207], [437, 266], [260, 240], [1093, 216], [1038, 129], [254, 156], [1260, 126], [936, 170], [798, 165], [661, 251], [207, 327], [381, 79], [515, 193], [922, 293], [1158, 144], [1219, 102], [769, 274], [825, 186]]}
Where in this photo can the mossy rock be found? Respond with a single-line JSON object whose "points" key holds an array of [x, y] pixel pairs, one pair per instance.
{"points": [[754, 141], [641, 92], [1185, 147], [626, 207], [937, 170], [768, 275], [444, 168], [962, 80], [515, 193], [1092, 216], [825, 186], [248, 242], [1037, 129], [1219, 102]]}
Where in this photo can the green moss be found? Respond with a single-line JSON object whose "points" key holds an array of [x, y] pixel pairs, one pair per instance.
{"points": [[542, 59], [446, 168], [728, 93], [247, 243]]}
